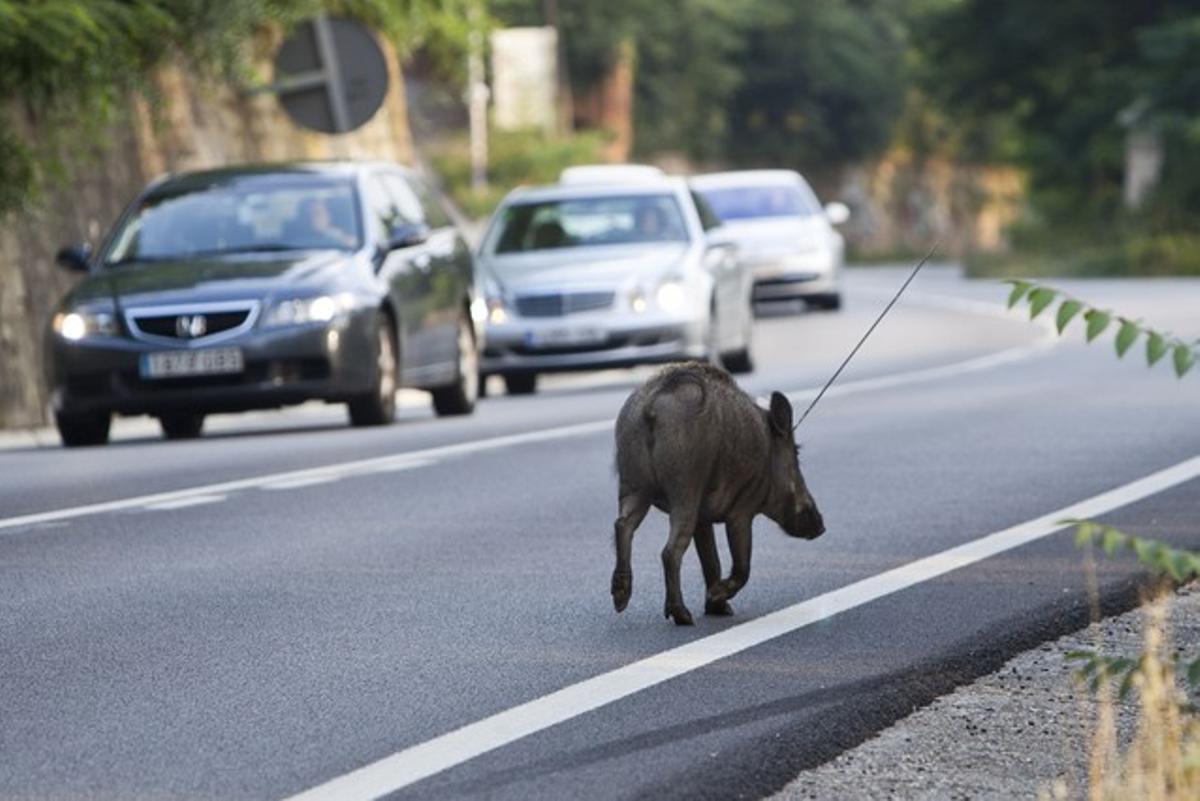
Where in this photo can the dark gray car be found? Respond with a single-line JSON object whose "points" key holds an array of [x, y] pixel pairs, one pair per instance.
{"points": [[258, 287]]}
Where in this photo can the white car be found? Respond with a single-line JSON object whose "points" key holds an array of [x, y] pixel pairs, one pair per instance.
{"points": [[585, 276], [785, 237]]}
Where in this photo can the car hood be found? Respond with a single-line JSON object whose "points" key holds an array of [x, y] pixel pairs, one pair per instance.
{"points": [[605, 266], [778, 234], [207, 280]]}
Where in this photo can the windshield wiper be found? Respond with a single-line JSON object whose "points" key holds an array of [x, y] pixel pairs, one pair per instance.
{"points": [[271, 247]]}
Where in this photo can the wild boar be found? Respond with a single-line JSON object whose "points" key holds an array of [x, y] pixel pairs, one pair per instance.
{"points": [[691, 443]]}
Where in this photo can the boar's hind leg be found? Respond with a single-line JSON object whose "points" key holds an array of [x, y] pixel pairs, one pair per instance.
{"points": [[633, 511], [738, 533], [710, 563], [682, 526]]}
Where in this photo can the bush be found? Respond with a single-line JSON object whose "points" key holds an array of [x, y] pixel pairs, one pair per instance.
{"points": [[515, 158]]}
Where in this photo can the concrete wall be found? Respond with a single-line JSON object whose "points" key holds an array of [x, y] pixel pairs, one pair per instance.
{"points": [[192, 124]]}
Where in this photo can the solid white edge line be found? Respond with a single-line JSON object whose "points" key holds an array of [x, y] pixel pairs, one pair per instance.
{"points": [[428, 758], [183, 503]]}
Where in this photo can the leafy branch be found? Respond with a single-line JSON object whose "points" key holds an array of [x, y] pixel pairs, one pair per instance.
{"points": [[1181, 565], [1184, 355]]}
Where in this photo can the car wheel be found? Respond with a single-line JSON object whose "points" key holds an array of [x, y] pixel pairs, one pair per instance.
{"points": [[77, 430], [830, 302], [378, 406], [460, 397], [181, 425], [520, 383]]}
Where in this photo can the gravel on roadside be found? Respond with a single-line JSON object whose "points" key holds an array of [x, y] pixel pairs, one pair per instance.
{"points": [[1011, 734]]}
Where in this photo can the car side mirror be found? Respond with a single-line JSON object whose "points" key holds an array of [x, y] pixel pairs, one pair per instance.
{"points": [[76, 258], [837, 213], [407, 234]]}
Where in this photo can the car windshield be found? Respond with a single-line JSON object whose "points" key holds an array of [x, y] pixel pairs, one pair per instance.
{"points": [[246, 214], [749, 202], [582, 222]]}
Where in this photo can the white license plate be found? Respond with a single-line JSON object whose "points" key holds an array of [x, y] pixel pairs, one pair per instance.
{"points": [[178, 363], [565, 337]]}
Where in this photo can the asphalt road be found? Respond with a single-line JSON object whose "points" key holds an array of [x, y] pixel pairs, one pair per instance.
{"points": [[267, 609]]}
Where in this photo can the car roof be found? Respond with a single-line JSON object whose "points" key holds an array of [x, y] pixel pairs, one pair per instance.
{"points": [[717, 180], [648, 186], [608, 173], [339, 167]]}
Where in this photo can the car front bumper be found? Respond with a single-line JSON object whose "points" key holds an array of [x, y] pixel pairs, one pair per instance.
{"points": [[625, 340], [796, 276], [282, 366]]}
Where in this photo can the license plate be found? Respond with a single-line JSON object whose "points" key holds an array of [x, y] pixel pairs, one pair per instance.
{"points": [[565, 337], [178, 363]]}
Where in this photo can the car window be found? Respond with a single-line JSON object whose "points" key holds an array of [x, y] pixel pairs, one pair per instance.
{"points": [[708, 218], [381, 209], [751, 202], [589, 221], [239, 214], [436, 215], [408, 205]]}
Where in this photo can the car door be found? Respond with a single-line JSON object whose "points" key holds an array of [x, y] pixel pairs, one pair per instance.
{"points": [[721, 259], [453, 270], [404, 270]]}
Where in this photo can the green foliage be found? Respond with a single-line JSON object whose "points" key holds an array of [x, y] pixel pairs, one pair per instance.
{"points": [[1066, 78], [515, 158], [1178, 564], [71, 63], [1158, 343]]}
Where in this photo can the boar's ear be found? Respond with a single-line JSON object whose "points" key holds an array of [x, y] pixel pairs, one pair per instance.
{"points": [[781, 414]]}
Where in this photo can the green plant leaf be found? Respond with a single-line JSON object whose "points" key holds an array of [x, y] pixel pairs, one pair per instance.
{"points": [[1144, 550], [1193, 672], [1067, 312], [1097, 321], [1112, 541], [1039, 299], [1126, 336], [1156, 347], [1018, 291], [1075, 656], [1184, 359]]}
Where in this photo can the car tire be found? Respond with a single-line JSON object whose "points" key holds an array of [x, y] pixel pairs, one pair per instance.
{"points": [[830, 302], [181, 425], [738, 362], [77, 430], [378, 406], [460, 396], [520, 383]]}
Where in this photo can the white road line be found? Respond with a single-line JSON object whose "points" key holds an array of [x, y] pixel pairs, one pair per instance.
{"points": [[297, 483], [183, 503], [357, 467], [441, 753]]}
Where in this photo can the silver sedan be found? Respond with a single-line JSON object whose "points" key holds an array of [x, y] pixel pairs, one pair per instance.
{"points": [[585, 276]]}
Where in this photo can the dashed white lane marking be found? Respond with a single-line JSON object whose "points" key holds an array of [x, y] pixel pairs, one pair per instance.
{"points": [[433, 756], [183, 503], [404, 461]]}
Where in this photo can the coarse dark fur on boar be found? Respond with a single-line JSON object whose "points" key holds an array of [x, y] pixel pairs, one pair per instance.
{"points": [[693, 444]]}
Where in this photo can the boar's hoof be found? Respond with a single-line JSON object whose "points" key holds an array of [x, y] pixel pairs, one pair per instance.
{"points": [[718, 608], [622, 587], [680, 614]]}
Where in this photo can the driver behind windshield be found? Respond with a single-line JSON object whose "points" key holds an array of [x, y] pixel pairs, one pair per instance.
{"points": [[323, 229]]}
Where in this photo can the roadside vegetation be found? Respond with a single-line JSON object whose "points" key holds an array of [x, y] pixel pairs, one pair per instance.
{"points": [[1162, 760]]}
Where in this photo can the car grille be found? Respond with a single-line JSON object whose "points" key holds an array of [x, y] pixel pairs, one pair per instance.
{"points": [[191, 324], [559, 304]]}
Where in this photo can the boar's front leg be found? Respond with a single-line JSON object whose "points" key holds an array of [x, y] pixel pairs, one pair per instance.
{"points": [[633, 510], [738, 533], [710, 564], [682, 525]]}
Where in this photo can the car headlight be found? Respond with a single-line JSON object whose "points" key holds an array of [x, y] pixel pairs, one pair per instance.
{"points": [[299, 311], [495, 305], [76, 325], [637, 300], [671, 297]]}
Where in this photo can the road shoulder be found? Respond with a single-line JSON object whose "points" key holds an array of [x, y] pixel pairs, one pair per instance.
{"points": [[1011, 734]]}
